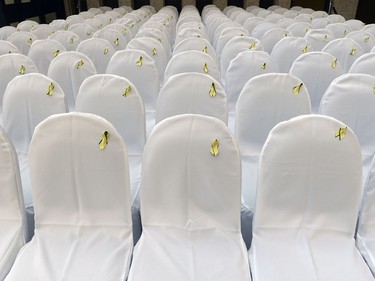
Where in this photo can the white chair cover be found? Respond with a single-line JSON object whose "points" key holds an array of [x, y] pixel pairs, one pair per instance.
{"points": [[261, 29], [42, 31], [194, 93], [366, 233], [363, 38], [287, 50], [190, 204], [13, 227], [125, 31], [69, 70], [100, 52], [307, 202], [242, 17], [336, 18], [307, 11], [299, 29], [272, 37], [292, 14], [364, 64], [190, 32], [192, 61], [355, 24], [8, 48], [319, 23], [317, 70], [340, 30], [350, 98], [83, 223], [74, 19], [42, 52], [115, 37], [22, 40], [226, 35], [264, 101], [345, 50], [83, 30], [59, 24], [370, 28], [27, 25], [252, 22], [286, 22], [6, 31], [69, 39], [319, 38], [274, 18], [194, 43], [158, 35]]}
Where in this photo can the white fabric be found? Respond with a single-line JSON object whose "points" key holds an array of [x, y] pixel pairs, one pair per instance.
{"points": [[194, 43], [274, 18], [22, 40], [345, 50], [59, 24], [235, 46], [307, 202], [272, 37], [286, 22], [336, 18], [69, 70], [124, 63], [69, 39], [319, 38], [370, 28], [363, 38], [340, 30], [159, 55], [261, 29], [13, 228], [317, 70], [366, 231], [245, 66], [364, 64], [192, 61], [319, 23], [211, 28], [194, 25], [242, 17], [42, 31], [220, 29], [355, 24], [319, 14], [226, 35], [350, 99], [158, 35], [265, 100], [83, 30], [74, 19], [299, 29], [252, 22], [190, 32], [8, 48], [115, 37], [42, 52], [307, 11], [12, 65], [190, 204], [6, 31], [83, 223], [190, 93], [291, 14], [287, 50], [100, 52], [26, 25], [121, 28]]}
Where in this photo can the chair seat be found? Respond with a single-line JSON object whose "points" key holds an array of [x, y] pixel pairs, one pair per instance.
{"points": [[190, 257], [71, 253], [308, 255]]}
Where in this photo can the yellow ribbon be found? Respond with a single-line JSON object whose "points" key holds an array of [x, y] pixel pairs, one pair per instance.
{"points": [[212, 90], [56, 53], [263, 66], [325, 37], [154, 52], [88, 33], [205, 68], [71, 41], [30, 41], [252, 46], [345, 32], [116, 41], [139, 62], [104, 141], [106, 50], [334, 63], [304, 50], [127, 91], [50, 89], [124, 31], [367, 38], [22, 69], [205, 49], [297, 89], [80, 64], [340, 133], [215, 147], [354, 50]]}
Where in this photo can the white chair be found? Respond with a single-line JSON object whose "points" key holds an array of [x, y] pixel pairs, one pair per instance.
{"points": [[121, 28], [190, 32], [350, 98], [261, 29], [335, 18], [194, 43], [307, 202], [370, 28], [306, 11], [319, 23], [42, 31], [355, 24], [22, 40], [74, 19], [100, 52], [345, 50], [83, 30], [190, 204], [27, 25], [365, 233], [364, 64], [27, 101], [12, 65], [287, 50], [363, 38], [6, 31], [194, 93], [158, 35], [138, 67], [265, 100], [69, 39], [317, 70], [291, 14], [286, 22], [252, 22], [83, 227], [8, 48], [13, 230], [59, 24], [225, 36], [340, 30], [319, 38], [272, 37], [42, 52], [274, 18], [115, 37], [192, 61], [299, 29], [69, 70]]}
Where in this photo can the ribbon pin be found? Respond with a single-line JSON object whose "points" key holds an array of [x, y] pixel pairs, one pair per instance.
{"points": [[50, 89], [154, 52], [252, 46], [139, 62], [212, 90], [367, 38], [215, 147], [334, 63], [104, 141], [340, 133], [205, 49], [325, 37], [106, 50], [56, 53], [71, 41], [116, 41], [353, 51], [127, 91], [22, 69], [263, 66], [305, 50], [297, 89], [88, 33], [205, 68], [30, 41], [80, 64]]}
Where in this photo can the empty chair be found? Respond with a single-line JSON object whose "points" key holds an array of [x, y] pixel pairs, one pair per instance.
{"points": [[191, 93], [42, 52], [265, 100], [345, 50], [138, 67], [365, 232], [22, 40], [340, 30], [158, 35], [69, 39], [317, 70], [27, 25], [6, 31], [335, 18], [190, 200], [83, 223], [287, 50], [364, 64], [190, 32], [8, 48], [194, 43], [272, 37], [83, 30], [226, 35], [319, 38], [307, 202], [355, 24], [42, 31], [13, 230], [363, 38], [350, 98], [115, 37], [261, 29], [69, 70], [299, 29], [100, 52], [192, 61]]}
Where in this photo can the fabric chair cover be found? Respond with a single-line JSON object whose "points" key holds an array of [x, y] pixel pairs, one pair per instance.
{"points": [[216, 22], [364, 64], [319, 23], [274, 18], [287, 50], [198, 44], [355, 24], [235, 46], [201, 211], [6, 31], [69, 70], [370, 28], [12, 65], [8, 48], [366, 233], [87, 15], [252, 22], [83, 30], [291, 14], [317, 70], [42, 31], [83, 224], [42, 52], [363, 38], [190, 32], [194, 93], [264, 101], [59, 24], [226, 35], [242, 17], [193, 25], [286, 22], [158, 35], [336, 18], [299, 29], [307, 202], [350, 98], [115, 37], [272, 37], [261, 29], [26, 25], [221, 28], [74, 19], [121, 28], [13, 226], [340, 30], [69, 39], [319, 38], [345, 50], [307, 11], [22, 40], [192, 61]]}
